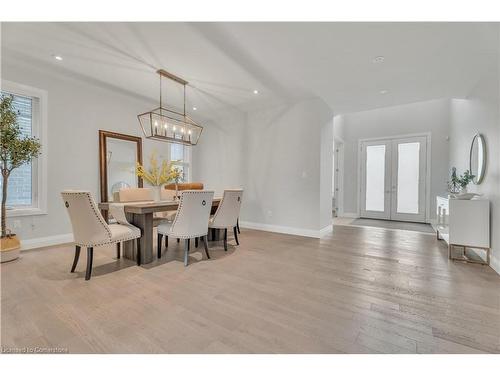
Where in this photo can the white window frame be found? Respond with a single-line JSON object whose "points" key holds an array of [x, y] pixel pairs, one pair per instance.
{"points": [[187, 159], [39, 130]]}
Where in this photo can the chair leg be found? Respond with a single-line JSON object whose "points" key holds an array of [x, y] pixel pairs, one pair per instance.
{"points": [[178, 240], [225, 239], [238, 225], [204, 239], [138, 251], [196, 242], [166, 241], [189, 244], [77, 256], [118, 250], [186, 252], [160, 238], [90, 257], [214, 235], [235, 230]]}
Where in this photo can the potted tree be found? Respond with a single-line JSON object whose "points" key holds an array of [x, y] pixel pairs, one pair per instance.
{"points": [[15, 150]]}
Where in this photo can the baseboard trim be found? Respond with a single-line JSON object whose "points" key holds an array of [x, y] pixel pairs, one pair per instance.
{"points": [[495, 264], [349, 215], [46, 241], [285, 230], [326, 230]]}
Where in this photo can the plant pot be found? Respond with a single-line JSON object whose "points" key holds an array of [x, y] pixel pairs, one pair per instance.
{"points": [[10, 247]]}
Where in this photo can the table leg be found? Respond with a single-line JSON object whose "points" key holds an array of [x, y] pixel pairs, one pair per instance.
{"points": [[214, 234], [128, 247], [145, 223]]}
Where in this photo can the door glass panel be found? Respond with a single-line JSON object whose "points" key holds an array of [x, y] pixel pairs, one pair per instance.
{"points": [[375, 178], [408, 177]]}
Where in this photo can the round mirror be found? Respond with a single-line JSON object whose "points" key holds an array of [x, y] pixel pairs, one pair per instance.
{"points": [[478, 158]]}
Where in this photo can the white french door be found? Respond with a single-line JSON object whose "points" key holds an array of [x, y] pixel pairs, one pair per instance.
{"points": [[393, 179]]}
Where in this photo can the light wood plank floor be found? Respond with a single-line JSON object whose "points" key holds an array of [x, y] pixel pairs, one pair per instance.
{"points": [[358, 290]]}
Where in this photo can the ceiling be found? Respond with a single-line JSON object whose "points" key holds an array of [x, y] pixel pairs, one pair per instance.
{"points": [[225, 62]]}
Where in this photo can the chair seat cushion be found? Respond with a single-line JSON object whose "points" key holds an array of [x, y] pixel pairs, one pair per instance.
{"points": [[211, 223], [164, 228], [121, 232], [167, 215]]}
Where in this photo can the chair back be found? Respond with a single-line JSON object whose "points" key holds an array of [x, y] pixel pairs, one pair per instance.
{"points": [[185, 186], [193, 214], [135, 195], [229, 209], [89, 227], [167, 195]]}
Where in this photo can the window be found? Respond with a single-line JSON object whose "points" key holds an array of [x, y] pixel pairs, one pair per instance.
{"points": [[181, 154], [26, 186]]}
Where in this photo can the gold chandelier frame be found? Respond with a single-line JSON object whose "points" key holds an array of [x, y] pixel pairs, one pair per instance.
{"points": [[167, 125]]}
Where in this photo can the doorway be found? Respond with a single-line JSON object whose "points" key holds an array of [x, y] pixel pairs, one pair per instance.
{"points": [[394, 178]]}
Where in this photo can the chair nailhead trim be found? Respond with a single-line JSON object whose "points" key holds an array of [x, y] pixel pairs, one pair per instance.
{"points": [[94, 210], [222, 202]]}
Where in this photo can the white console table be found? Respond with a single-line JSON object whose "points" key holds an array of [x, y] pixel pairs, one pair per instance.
{"points": [[464, 224]]}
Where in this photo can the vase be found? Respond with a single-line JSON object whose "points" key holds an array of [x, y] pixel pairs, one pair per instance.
{"points": [[157, 193], [463, 190]]}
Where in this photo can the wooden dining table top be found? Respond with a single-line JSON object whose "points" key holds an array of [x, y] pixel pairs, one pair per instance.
{"points": [[149, 207]]}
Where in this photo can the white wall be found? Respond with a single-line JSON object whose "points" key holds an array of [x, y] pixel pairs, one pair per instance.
{"points": [[76, 111], [326, 175], [430, 116], [338, 127], [218, 157], [282, 165], [276, 155], [479, 113]]}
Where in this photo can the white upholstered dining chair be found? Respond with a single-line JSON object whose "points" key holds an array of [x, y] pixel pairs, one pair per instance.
{"points": [[135, 195], [91, 230], [227, 213], [166, 195], [191, 220]]}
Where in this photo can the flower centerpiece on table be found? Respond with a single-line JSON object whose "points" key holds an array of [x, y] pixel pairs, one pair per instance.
{"points": [[159, 174], [176, 177]]}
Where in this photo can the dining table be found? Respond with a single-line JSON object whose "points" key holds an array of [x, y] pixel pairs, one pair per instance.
{"points": [[141, 215]]}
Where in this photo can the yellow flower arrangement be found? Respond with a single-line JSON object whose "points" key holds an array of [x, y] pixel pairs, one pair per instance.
{"points": [[175, 174], [158, 175]]}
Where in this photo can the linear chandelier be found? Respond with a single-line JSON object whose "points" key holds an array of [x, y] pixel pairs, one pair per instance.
{"points": [[166, 125]]}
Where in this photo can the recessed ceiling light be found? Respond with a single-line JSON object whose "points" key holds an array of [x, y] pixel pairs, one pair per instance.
{"points": [[255, 92], [383, 92], [378, 59], [57, 57], [194, 108]]}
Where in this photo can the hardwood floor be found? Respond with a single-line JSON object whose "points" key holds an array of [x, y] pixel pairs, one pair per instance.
{"points": [[358, 290]]}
